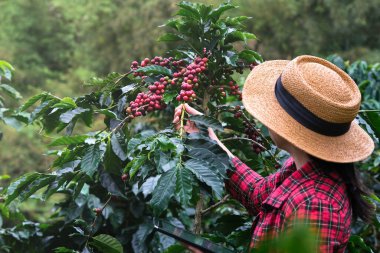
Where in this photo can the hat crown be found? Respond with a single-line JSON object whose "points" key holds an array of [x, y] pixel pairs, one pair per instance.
{"points": [[322, 88]]}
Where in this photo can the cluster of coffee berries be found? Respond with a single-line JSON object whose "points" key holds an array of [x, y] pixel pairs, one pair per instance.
{"points": [[189, 78], [238, 112], [234, 89], [254, 134], [157, 60], [147, 102]]}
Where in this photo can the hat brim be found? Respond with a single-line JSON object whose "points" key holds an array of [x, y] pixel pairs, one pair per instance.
{"points": [[260, 101]]}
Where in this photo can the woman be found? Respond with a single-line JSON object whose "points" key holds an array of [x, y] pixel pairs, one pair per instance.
{"points": [[309, 106]]}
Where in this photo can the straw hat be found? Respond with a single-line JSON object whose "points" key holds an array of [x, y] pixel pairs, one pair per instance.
{"points": [[312, 104]]}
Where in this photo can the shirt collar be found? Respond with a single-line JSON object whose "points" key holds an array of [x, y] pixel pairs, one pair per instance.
{"points": [[281, 193]]}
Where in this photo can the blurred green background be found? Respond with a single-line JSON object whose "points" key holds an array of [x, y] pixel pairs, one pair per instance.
{"points": [[56, 45]]}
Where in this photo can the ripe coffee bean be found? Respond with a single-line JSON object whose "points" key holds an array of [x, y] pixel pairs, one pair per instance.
{"points": [[124, 177], [98, 211], [237, 115]]}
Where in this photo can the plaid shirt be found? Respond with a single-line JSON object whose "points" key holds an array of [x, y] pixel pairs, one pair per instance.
{"points": [[308, 194]]}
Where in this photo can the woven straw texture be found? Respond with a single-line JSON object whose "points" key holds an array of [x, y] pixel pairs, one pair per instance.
{"points": [[323, 89]]}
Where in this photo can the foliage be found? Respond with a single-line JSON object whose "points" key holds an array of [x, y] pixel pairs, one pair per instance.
{"points": [[367, 77], [55, 45], [115, 178], [8, 92], [287, 29]]}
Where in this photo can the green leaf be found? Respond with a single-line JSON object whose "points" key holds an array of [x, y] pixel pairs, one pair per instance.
{"points": [[189, 14], [373, 119], [91, 160], [106, 244], [68, 116], [184, 186], [37, 184], [112, 163], [17, 186], [358, 242], [63, 178], [67, 140], [218, 163], [207, 121], [216, 13], [135, 165], [140, 236], [250, 56], [155, 69], [169, 96], [31, 101], [66, 103], [6, 69], [12, 92], [188, 10], [239, 36], [108, 113], [64, 250], [11, 121], [231, 57], [167, 37], [235, 21], [202, 171], [164, 191], [117, 148]]}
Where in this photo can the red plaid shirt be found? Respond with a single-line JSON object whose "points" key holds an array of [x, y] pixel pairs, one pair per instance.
{"points": [[307, 194]]}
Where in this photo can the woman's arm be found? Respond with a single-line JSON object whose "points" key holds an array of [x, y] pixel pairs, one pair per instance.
{"points": [[244, 184]]}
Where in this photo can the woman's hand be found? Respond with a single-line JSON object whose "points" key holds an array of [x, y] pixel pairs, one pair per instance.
{"points": [[190, 127]]}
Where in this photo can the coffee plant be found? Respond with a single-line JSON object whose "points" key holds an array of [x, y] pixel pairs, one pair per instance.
{"points": [[8, 94], [120, 165]]}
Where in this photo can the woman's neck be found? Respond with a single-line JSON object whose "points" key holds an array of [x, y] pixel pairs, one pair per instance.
{"points": [[300, 157]]}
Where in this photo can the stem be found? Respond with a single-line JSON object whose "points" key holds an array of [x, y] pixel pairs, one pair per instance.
{"points": [[124, 75], [198, 216], [199, 206], [244, 139], [247, 139], [96, 217], [222, 201], [181, 129], [120, 125], [376, 243], [369, 110]]}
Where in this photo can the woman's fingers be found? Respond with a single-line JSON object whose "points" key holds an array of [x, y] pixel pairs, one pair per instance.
{"points": [[189, 127], [190, 110], [178, 108], [176, 119]]}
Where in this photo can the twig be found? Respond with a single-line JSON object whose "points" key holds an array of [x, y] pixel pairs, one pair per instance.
{"points": [[181, 129], [376, 243], [96, 217], [222, 201], [124, 75], [375, 110], [121, 124], [198, 216], [244, 139], [255, 142]]}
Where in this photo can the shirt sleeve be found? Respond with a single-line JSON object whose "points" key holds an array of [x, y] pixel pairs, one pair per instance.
{"points": [[249, 187]]}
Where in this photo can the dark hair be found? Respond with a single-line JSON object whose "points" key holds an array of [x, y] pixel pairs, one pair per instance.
{"points": [[356, 190]]}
